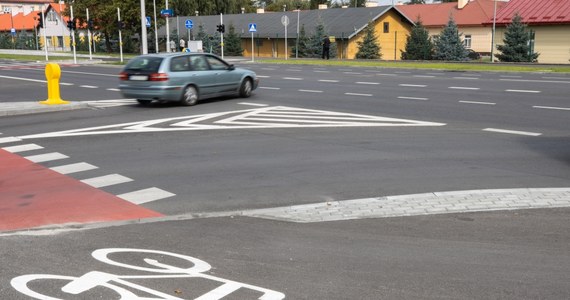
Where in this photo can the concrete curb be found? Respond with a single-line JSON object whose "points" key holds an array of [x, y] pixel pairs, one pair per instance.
{"points": [[24, 108]]}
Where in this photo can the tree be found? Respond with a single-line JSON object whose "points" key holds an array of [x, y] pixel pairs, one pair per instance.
{"points": [[368, 47], [315, 44], [517, 47], [416, 2], [232, 43], [418, 44], [448, 44], [303, 44]]}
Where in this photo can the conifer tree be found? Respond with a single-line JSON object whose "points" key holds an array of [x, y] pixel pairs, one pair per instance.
{"points": [[315, 44], [517, 46], [232, 43], [448, 44], [369, 48], [418, 44], [303, 44]]}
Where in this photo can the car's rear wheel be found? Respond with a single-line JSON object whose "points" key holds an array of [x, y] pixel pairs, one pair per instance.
{"points": [[144, 102], [245, 88], [190, 96]]}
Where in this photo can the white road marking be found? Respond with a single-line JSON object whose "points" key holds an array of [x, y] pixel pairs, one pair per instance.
{"points": [[424, 76], [538, 81], [384, 74], [146, 195], [74, 168], [310, 91], [66, 83], [114, 90], [9, 140], [463, 88], [294, 70], [252, 104], [553, 107], [403, 72], [365, 82], [357, 94], [22, 148], [269, 88], [46, 157], [320, 71], [510, 76], [327, 80], [23, 79], [563, 78], [512, 131], [413, 98], [89, 86], [478, 102], [522, 91], [465, 78], [292, 78], [413, 85], [345, 70], [263, 76], [87, 73], [106, 180], [352, 73], [264, 117], [436, 73]]}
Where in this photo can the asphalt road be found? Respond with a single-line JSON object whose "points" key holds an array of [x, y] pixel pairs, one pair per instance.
{"points": [[462, 131]]}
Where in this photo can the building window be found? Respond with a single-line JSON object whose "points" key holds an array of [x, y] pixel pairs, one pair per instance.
{"points": [[386, 27], [467, 41]]}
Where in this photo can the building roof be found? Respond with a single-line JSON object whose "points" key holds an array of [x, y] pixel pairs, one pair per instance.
{"points": [[338, 22], [21, 21], [475, 13], [26, 1], [533, 12]]}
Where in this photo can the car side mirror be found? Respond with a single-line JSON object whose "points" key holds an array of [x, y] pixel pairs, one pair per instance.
{"points": [[231, 67]]}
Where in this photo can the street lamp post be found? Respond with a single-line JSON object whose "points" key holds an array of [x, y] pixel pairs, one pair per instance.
{"points": [[493, 32], [155, 27], [144, 45], [297, 42]]}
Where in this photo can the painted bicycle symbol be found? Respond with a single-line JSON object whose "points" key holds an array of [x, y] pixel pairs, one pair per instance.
{"points": [[117, 283]]}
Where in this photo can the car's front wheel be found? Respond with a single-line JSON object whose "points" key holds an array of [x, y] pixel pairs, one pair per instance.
{"points": [[246, 88], [190, 96], [144, 102]]}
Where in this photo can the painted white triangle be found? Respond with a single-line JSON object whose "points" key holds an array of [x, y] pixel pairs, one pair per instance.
{"points": [[265, 117]]}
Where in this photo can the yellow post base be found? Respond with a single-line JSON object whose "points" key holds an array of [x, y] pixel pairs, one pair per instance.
{"points": [[53, 73]]}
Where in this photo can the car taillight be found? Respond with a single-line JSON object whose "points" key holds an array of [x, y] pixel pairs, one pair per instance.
{"points": [[158, 77], [123, 76]]}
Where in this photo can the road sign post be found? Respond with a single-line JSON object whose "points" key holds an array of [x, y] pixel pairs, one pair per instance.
{"points": [[252, 29], [285, 22], [189, 24]]}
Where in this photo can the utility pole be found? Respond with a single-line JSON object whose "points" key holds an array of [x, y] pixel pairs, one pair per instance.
{"points": [[493, 32], [167, 31], [144, 45]]}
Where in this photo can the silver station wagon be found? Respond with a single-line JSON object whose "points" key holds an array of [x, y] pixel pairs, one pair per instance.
{"points": [[183, 77]]}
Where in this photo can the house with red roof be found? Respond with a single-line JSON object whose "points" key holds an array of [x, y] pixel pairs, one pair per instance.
{"points": [[471, 17], [549, 20]]}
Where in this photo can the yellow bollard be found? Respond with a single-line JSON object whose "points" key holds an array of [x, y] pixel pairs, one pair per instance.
{"points": [[53, 73]]}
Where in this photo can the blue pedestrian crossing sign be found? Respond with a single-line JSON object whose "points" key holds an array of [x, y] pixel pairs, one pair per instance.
{"points": [[189, 24], [252, 27], [147, 21]]}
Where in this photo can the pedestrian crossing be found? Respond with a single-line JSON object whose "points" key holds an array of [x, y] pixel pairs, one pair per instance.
{"points": [[111, 103]]}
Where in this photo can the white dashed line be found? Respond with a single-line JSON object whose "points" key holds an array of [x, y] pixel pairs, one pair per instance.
{"points": [[114, 90], [357, 94], [512, 132], [465, 78], [89, 86], [263, 76], [364, 82], [146, 195], [563, 78], [294, 70], [74, 168], [510, 76], [537, 81], [9, 140], [46, 157], [269, 88], [402, 72], [319, 71], [462, 88], [384, 74], [292, 78], [478, 102], [106, 180], [413, 98], [424, 76], [552, 107], [66, 83], [436, 73], [352, 73], [310, 91], [23, 148], [522, 91], [327, 80], [253, 104], [413, 85]]}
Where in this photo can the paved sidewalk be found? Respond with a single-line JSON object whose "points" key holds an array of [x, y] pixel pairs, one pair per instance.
{"points": [[22, 108], [418, 204]]}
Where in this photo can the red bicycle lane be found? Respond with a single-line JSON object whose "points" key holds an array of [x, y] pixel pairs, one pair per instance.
{"points": [[33, 196]]}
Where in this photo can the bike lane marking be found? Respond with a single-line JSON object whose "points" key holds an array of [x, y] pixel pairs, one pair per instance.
{"points": [[34, 196]]}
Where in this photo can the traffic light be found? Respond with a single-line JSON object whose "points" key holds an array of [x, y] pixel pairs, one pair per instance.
{"points": [[120, 24], [221, 28], [71, 24], [40, 20], [90, 24]]}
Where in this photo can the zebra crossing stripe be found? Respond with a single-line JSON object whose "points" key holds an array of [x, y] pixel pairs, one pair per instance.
{"points": [[146, 195]]}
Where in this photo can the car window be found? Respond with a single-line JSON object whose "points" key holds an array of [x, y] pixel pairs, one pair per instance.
{"points": [[216, 63], [199, 63], [179, 64], [144, 64]]}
